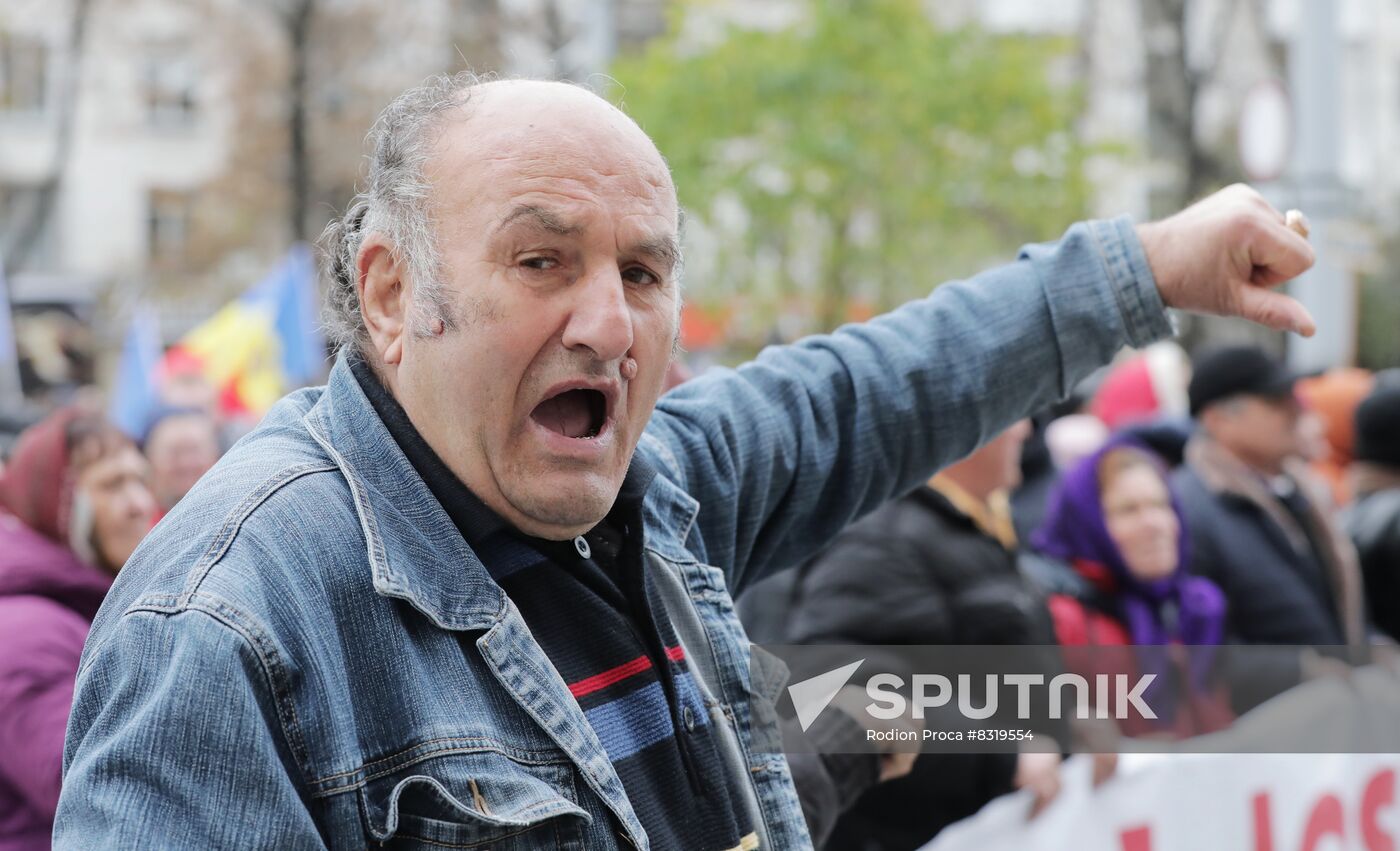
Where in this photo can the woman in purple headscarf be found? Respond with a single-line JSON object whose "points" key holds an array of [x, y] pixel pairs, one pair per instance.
{"points": [[1114, 520]]}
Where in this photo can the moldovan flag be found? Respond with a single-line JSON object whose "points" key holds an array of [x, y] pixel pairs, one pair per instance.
{"points": [[262, 345]]}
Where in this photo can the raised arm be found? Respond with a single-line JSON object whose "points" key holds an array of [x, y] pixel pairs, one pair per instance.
{"points": [[785, 451]]}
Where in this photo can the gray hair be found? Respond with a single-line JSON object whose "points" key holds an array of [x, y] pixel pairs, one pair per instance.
{"points": [[394, 203]]}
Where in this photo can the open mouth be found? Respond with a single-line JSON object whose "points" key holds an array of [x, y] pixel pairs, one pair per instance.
{"points": [[579, 413]]}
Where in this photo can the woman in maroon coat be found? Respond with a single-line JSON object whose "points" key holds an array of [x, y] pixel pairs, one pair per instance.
{"points": [[73, 505]]}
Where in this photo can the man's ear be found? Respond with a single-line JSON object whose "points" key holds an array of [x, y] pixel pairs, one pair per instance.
{"points": [[383, 297]]}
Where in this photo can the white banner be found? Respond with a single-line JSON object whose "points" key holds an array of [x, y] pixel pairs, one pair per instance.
{"points": [[1236, 801]]}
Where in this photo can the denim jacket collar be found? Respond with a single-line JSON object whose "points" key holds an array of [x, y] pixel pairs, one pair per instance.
{"points": [[415, 551], [669, 512]]}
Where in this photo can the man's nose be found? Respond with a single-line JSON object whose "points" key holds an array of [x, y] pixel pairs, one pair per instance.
{"points": [[601, 319]]}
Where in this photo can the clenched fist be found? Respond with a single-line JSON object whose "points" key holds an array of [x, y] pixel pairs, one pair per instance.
{"points": [[1225, 255]]}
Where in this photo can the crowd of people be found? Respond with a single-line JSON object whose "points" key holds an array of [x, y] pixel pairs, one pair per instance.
{"points": [[1222, 501], [77, 495], [417, 606], [1204, 512]]}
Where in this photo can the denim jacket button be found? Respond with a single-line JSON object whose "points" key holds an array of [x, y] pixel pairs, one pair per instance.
{"points": [[581, 545]]}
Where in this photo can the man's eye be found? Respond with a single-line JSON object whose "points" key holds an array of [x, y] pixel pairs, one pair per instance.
{"points": [[639, 275], [543, 264]]}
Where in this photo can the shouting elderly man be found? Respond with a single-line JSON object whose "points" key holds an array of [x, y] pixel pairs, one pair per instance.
{"points": [[476, 591]]}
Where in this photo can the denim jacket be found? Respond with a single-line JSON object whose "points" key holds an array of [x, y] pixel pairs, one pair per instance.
{"points": [[306, 654]]}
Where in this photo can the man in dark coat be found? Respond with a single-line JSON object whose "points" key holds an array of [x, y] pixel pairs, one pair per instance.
{"points": [[1260, 526], [935, 567], [1373, 520]]}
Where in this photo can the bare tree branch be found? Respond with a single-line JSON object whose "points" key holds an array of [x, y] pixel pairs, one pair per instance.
{"points": [[297, 20], [27, 234]]}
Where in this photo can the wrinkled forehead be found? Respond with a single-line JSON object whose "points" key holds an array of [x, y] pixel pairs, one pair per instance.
{"points": [[551, 139]]}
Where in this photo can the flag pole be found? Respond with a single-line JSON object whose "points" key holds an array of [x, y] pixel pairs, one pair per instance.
{"points": [[11, 391]]}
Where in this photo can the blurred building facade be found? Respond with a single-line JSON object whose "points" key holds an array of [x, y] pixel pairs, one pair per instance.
{"points": [[151, 149], [1225, 49], [1177, 95], [158, 131]]}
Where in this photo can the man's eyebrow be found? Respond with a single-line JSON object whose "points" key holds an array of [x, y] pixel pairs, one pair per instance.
{"points": [[664, 249], [541, 218]]}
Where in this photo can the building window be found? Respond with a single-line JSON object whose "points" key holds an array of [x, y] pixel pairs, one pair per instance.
{"points": [[168, 228], [23, 74], [170, 91]]}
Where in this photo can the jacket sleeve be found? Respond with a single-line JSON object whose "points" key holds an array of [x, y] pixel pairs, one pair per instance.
{"points": [[42, 641], [785, 451], [174, 742]]}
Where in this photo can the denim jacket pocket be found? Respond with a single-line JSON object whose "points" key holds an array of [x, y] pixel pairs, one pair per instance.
{"points": [[482, 800]]}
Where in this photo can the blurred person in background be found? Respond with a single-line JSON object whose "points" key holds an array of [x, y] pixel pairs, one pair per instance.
{"points": [[1058, 444], [1038, 476], [181, 445], [1373, 519], [1260, 523], [183, 384], [1332, 399], [1038, 473], [1143, 387], [1312, 443], [1074, 437], [936, 566], [1145, 397], [1062, 429], [1114, 521], [1144, 391], [73, 506]]}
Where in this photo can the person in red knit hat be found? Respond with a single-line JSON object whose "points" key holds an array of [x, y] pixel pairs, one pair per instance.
{"points": [[1144, 387]]}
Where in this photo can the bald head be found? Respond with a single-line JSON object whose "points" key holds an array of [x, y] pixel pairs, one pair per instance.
{"points": [[427, 133], [550, 134], [557, 121]]}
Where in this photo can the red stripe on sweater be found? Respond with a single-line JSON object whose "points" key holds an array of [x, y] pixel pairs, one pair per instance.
{"points": [[597, 682]]}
